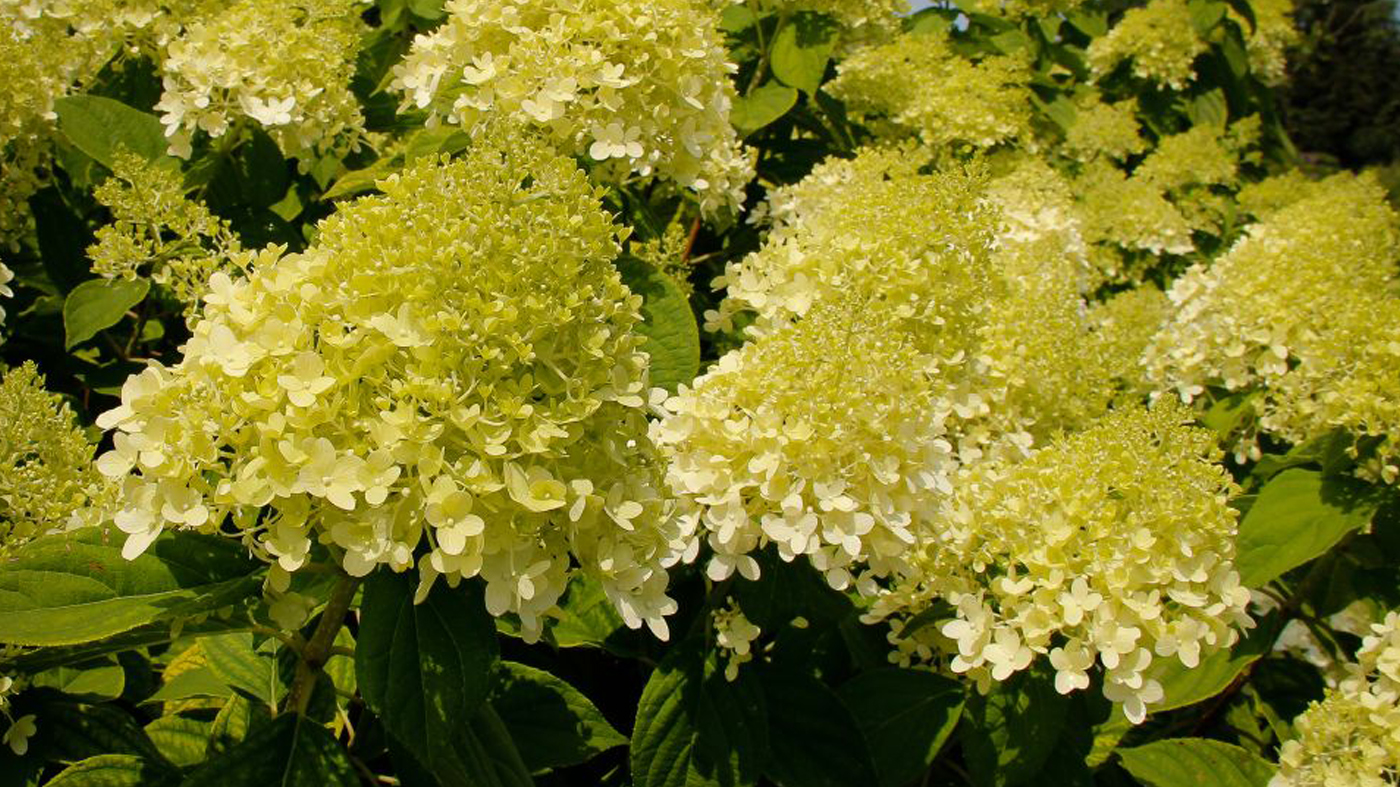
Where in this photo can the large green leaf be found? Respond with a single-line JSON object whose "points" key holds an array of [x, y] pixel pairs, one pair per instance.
{"points": [[94, 683], [905, 716], [100, 127], [116, 770], [423, 668], [672, 338], [72, 732], [552, 723], [1195, 762], [234, 659], [482, 754], [289, 751], [587, 618], [181, 739], [813, 739], [70, 589], [694, 728], [98, 304], [236, 719], [801, 51], [1010, 733], [1299, 515], [762, 107]]}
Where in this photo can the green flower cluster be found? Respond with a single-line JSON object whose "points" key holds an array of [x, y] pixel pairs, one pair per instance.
{"points": [[1110, 546], [917, 85], [284, 65], [451, 364], [47, 480], [640, 88], [157, 231], [1302, 307], [1351, 738]]}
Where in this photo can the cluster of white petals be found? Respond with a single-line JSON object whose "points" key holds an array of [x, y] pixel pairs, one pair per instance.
{"points": [[638, 87], [1351, 738], [451, 363]]}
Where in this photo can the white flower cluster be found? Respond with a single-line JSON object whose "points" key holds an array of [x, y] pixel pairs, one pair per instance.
{"points": [[452, 363], [283, 65], [1111, 546], [1351, 738], [20, 730], [735, 636], [1300, 307], [639, 87], [1160, 39]]}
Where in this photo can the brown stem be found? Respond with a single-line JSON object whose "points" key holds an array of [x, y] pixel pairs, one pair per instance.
{"points": [[321, 645]]}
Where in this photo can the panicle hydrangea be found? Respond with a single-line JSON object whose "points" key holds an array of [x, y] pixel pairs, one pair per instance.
{"points": [[1293, 279], [1103, 129], [1267, 44], [1201, 155], [928, 262], [639, 87], [451, 362], [1124, 326], [822, 438], [1129, 212], [156, 230], [284, 64], [916, 84], [1159, 38], [1351, 738], [735, 636], [1261, 199], [1022, 8], [1112, 546], [41, 58], [47, 481]]}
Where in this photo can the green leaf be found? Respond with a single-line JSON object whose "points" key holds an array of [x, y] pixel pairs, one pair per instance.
{"points": [[905, 716], [290, 751], [116, 770], [694, 728], [430, 10], [254, 174], [97, 304], [180, 739], [423, 668], [100, 127], [70, 589], [672, 337], [201, 682], [1011, 732], [1187, 762], [1299, 515], [762, 107], [235, 720], [74, 732], [813, 738], [234, 660], [94, 684], [63, 239], [1206, 14], [552, 723], [801, 51], [482, 754]]}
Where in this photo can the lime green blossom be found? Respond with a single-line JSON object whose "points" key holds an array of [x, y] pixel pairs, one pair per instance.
{"points": [[1129, 212], [823, 438], [1022, 8], [451, 365], [1200, 155], [735, 636], [283, 65], [638, 87], [1294, 278], [1262, 198], [157, 231], [6, 276], [1124, 326], [1112, 547], [1351, 738], [1271, 38], [929, 260], [1160, 40], [916, 84], [1102, 129], [47, 481], [874, 15]]}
